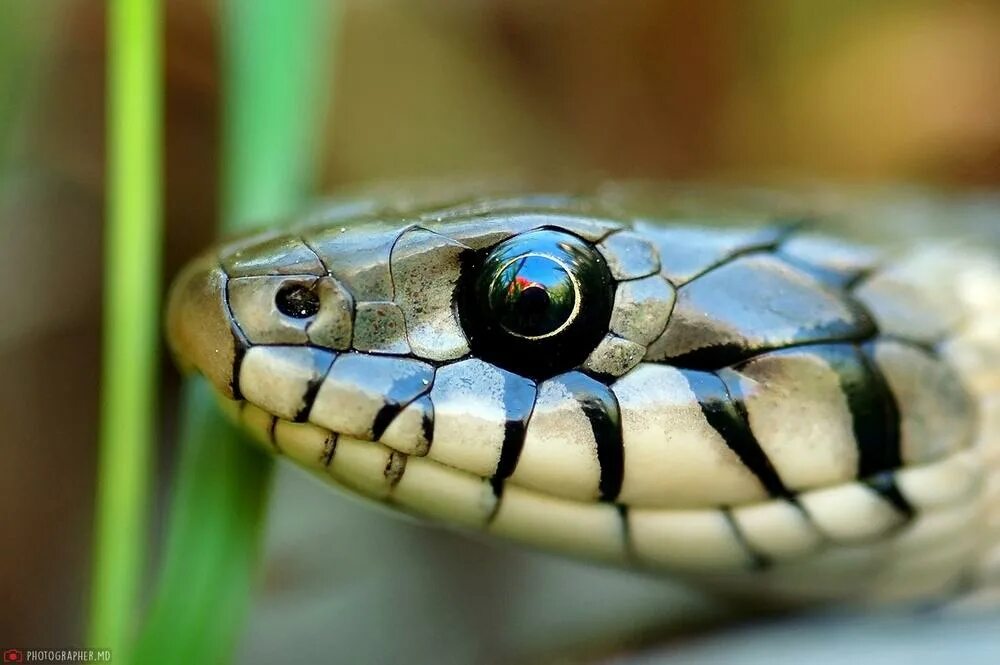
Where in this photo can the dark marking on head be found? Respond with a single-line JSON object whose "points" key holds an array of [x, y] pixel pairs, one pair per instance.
{"points": [[757, 304], [712, 358], [880, 449], [395, 467], [600, 406], [627, 544], [270, 433], [884, 484], [329, 448], [519, 401], [721, 401], [510, 452], [241, 347], [497, 485], [859, 277], [312, 388], [427, 424], [384, 418], [874, 416], [393, 405]]}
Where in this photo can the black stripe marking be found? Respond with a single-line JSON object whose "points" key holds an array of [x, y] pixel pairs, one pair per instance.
{"points": [[427, 424], [627, 544], [758, 560], [860, 277], [392, 404], [395, 466], [519, 401], [728, 354], [312, 388], [874, 415], [873, 411], [721, 401], [329, 448], [497, 485], [240, 347], [884, 484], [510, 451], [270, 433], [384, 417], [881, 451], [600, 406], [711, 301]]}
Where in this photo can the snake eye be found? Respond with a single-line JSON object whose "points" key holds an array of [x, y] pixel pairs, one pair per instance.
{"points": [[536, 303], [297, 301]]}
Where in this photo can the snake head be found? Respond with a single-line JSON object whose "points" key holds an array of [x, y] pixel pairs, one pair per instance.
{"points": [[402, 333], [748, 403]]}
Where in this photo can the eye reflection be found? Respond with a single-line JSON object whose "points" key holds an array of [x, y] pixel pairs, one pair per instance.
{"points": [[533, 296]]}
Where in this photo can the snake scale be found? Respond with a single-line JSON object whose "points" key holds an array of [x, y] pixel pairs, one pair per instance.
{"points": [[732, 397]]}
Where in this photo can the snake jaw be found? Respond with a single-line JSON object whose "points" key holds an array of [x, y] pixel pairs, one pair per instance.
{"points": [[199, 326]]}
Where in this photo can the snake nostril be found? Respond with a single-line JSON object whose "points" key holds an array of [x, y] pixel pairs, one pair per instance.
{"points": [[297, 301]]}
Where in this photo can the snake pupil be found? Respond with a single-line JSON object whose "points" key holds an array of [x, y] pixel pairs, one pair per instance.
{"points": [[532, 296], [534, 302], [297, 301]]}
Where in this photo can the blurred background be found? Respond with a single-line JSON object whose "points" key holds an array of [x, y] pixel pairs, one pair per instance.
{"points": [[848, 91]]}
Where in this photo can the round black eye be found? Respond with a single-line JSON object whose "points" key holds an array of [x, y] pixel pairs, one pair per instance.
{"points": [[537, 303], [297, 301]]}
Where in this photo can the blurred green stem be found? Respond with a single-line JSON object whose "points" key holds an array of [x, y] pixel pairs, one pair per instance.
{"points": [[131, 316], [275, 55], [275, 62]]}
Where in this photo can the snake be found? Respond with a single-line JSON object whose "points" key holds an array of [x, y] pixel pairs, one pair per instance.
{"points": [[722, 389]]}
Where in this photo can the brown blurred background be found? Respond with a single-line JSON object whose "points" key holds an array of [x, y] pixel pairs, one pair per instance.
{"points": [[842, 90]]}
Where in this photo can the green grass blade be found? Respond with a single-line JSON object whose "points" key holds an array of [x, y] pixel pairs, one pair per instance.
{"points": [[277, 91], [274, 95], [213, 531], [131, 316]]}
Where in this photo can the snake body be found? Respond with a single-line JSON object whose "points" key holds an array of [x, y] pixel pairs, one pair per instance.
{"points": [[750, 403]]}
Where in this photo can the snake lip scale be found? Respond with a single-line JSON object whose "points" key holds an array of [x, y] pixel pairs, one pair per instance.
{"points": [[751, 405]]}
